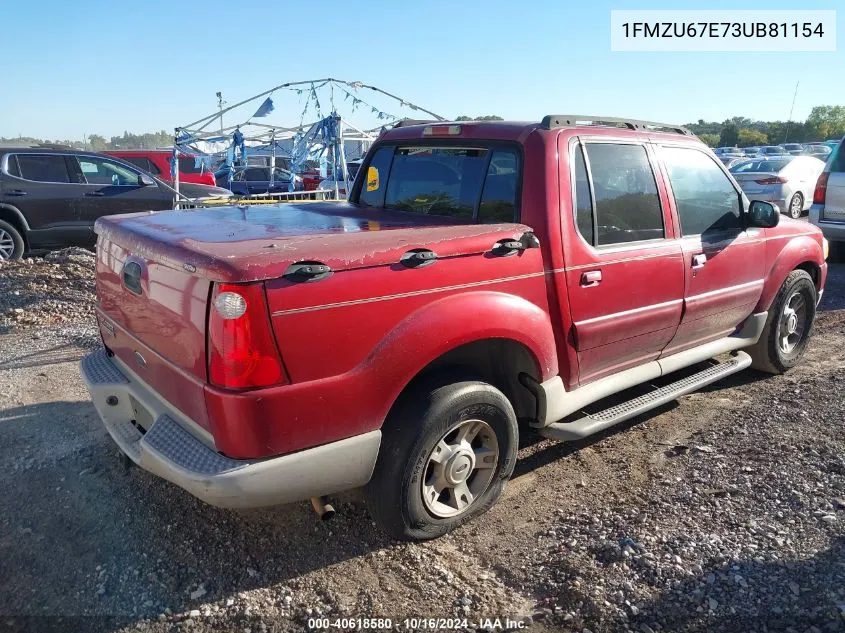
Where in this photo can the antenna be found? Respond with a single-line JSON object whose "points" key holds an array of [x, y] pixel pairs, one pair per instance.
{"points": [[785, 136]]}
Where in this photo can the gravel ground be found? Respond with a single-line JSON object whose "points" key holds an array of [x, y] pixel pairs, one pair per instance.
{"points": [[722, 511]]}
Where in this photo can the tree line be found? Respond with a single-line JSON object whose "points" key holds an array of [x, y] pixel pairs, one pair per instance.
{"points": [[824, 122], [98, 143]]}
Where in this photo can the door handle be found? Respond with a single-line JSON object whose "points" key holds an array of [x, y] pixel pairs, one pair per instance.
{"points": [[95, 193], [506, 247], [16, 192], [590, 278], [699, 260]]}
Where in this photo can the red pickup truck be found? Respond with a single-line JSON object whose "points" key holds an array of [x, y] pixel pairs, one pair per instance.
{"points": [[483, 279]]}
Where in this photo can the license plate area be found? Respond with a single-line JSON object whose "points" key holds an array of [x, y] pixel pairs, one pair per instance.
{"points": [[142, 420]]}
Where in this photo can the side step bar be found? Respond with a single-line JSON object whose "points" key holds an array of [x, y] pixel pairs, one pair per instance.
{"points": [[596, 422]]}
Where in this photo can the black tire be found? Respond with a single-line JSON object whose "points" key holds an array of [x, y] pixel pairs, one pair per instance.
{"points": [[768, 354], [415, 427], [7, 233], [796, 206]]}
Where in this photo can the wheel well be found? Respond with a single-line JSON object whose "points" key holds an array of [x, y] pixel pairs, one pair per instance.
{"points": [[14, 219], [811, 269], [503, 363]]}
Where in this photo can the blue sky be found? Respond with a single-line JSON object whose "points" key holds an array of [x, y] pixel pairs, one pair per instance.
{"points": [[75, 68]]}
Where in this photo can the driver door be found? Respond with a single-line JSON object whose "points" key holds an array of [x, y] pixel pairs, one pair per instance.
{"points": [[109, 188]]}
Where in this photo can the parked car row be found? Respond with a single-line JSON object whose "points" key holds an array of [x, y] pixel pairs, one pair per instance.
{"points": [[786, 181], [50, 198], [819, 150]]}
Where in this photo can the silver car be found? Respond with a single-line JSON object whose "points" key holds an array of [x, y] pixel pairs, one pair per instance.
{"points": [[828, 210], [785, 181]]}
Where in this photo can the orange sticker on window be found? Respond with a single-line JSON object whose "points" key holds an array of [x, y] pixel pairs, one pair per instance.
{"points": [[372, 179]]}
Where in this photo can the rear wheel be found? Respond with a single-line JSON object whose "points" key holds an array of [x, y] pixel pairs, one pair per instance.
{"points": [[796, 205], [788, 326], [447, 451], [11, 242]]}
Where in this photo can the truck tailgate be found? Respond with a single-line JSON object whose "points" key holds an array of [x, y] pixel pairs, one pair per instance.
{"points": [[157, 328]]}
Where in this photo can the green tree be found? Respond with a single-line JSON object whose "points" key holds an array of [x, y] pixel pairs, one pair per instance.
{"points": [[97, 143], [729, 135], [711, 140], [826, 122], [747, 137]]}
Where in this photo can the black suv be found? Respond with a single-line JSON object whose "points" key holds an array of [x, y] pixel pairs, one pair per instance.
{"points": [[50, 198]]}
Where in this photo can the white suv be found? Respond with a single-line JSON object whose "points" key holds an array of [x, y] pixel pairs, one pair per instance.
{"points": [[828, 210]]}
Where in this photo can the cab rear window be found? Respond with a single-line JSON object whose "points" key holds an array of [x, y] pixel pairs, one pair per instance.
{"points": [[472, 183]]}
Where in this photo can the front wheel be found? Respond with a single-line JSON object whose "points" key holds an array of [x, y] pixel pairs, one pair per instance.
{"points": [[788, 326], [11, 242], [796, 206], [446, 454]]}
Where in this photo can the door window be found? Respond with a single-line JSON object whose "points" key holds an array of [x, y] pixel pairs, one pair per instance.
{"points": [[583, 201], [144, 163], [99, 171], [705, 197], [43, 167], [627, 204]]}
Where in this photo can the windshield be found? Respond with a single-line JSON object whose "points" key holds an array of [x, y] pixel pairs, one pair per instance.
{"points": [[471, 183], [759, 165]]}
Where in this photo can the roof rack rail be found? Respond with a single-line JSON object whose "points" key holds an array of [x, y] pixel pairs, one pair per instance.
{"points": [[407, 122], [552, 121]]}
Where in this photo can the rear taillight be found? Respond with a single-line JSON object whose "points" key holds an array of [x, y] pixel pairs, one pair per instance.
{"points": [[820, 192], [242, 352], [774, 180]]}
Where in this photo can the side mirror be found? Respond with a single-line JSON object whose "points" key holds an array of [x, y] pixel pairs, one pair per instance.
{"points": [[145, 181], [763, 215]]}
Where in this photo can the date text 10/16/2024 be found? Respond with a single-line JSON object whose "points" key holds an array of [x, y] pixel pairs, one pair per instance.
{"points": [[417, 624]]}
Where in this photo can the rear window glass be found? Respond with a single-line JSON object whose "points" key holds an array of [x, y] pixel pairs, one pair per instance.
{"points": [[760, 165], [43, 167], [468, 183], [187, 165]]}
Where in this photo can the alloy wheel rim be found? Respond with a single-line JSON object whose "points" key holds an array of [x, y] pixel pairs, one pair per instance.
{"points": [[793, 323], [7, 245], [795, 206], [460, 468]]}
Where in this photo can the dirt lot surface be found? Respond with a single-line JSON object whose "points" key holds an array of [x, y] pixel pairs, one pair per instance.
{"points": [[724, 511]]}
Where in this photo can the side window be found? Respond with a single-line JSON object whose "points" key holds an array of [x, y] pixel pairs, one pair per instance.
{"points": [[12, 166], [583, 202], [375, 180], [705, 197], [837, 161], [627, 205], [43, 167], [498, 199], [138, 161], [256, 175], [99, 171], [152, 167]]}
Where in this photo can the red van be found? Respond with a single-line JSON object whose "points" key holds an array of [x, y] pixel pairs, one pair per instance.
{"points": [[157, 163]]}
